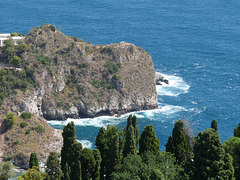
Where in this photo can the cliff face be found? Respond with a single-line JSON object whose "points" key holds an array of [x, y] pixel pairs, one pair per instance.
{"points": [[77, 79]]}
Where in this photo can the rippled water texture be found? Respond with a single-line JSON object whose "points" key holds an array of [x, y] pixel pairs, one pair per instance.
{"points": [[194, 43]]}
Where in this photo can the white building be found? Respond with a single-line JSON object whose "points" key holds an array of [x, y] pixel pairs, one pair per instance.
{"points": [[4, 37]]}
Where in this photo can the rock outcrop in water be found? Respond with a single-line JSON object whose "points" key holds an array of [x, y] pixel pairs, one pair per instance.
{"points": [[76, 79], [160, 78]]}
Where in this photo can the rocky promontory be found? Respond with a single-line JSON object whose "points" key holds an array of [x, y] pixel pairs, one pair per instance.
{"points": [[73, 79]]}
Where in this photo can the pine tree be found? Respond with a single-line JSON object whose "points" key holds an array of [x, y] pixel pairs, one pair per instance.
{"points": [[130, 142], [33, 161], [98, 159], [148, 141], [214, 125], [208, 155], [179, 142], [69, 136], [53, 169]]}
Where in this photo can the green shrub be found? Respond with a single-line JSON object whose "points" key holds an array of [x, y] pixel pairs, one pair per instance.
{"points": [[108, 86], [26, 115], [52, 27], [59, 104], [23, 124], [82, 65], [75, 39], [67, 106], [6, 170], [15, 142], [8, 158], [115, 77], [44, 60], [15, 61], [28, 131], [10, 81], [112, 67], [10, 119], [20, 156], [39, 129], [14, 34], [96, 83]]}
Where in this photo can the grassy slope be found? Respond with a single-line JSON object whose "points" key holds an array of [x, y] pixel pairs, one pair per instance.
{"points": [[17, 145]]}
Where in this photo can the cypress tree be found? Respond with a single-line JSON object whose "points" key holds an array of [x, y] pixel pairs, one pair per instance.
{"points": [[130, 142], [214, 124], [132, 121], [208, 155], [33, 161], [53, 169], [169, 145], [74, 159], [69, 136], [136, 129], [88, 164], [179, 142], [148, 141], [101, 144], [104, 142], [98, 159], [66, 172], [114, 153], [78, 171]]}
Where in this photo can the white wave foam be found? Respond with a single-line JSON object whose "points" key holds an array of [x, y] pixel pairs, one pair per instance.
{"points": [[102, 121], [85, 143], [164, 110], [175, 87]]}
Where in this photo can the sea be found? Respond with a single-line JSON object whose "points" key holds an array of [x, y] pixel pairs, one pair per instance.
{"points": [[194, 44]]}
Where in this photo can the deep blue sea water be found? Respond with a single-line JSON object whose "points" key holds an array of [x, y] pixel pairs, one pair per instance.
{"points": [[195, 44]]}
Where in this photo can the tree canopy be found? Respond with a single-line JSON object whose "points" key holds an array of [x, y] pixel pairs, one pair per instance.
{"points": [[148, 141], [33, 161]]}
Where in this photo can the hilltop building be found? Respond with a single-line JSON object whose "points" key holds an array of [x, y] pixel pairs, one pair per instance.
{"points": [[4, 37]]}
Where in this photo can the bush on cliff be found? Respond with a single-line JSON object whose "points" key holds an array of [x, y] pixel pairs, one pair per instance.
{"points": [[26, 115], [6, 170], [10, 119]]}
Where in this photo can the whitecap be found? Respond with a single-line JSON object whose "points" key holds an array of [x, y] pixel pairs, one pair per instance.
{"points": [[164, 110], [175, 87], [85, 143], [193, 102], [101, 121]]}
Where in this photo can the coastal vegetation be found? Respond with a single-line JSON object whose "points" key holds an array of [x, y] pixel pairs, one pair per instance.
{"points": [[26, 133], [117, 155], [73, 78], [56, 76]]}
